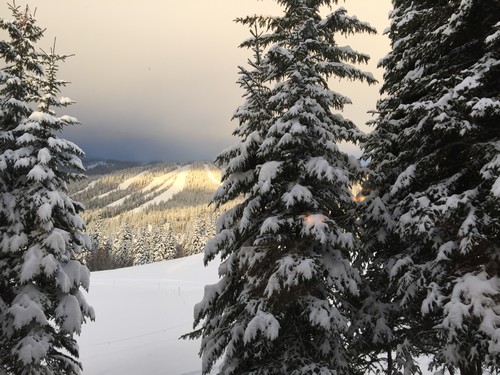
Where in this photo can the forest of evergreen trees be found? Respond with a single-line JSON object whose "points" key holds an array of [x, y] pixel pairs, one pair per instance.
{"points": [[312, 281]]}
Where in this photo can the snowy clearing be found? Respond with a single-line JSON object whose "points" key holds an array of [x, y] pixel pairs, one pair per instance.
{"points": [[141, 312]]}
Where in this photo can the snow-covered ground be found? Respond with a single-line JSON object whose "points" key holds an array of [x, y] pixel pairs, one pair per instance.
{"points": [[140, 314]]}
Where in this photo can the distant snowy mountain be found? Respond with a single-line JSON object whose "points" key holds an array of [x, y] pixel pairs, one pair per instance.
{"points": [[140, 314], [136, 187], [129, 207], [99, 166]]}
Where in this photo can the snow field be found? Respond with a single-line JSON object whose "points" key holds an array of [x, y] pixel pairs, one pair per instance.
{"points": [[140, 314]]}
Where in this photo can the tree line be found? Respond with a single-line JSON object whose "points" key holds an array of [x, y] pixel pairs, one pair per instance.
{"points": [[137, 245]]}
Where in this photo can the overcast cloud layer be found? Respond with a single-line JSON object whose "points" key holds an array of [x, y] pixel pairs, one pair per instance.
{"points": [[155, 79]]}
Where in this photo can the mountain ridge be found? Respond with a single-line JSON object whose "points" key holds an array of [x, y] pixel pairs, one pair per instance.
{"points": [[143, 200]]}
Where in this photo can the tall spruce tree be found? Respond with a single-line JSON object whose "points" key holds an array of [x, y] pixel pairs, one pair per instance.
{"points": [[282, 305], [41, 305], [143, 249], [165, 243], [432, 220], [122, 247]]}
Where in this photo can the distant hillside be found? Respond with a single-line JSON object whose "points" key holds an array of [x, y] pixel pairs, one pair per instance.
{"points": [[144, 200], [98, 166]]}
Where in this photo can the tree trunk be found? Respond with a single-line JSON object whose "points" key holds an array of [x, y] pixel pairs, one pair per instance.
{"points": [[473, 368], [390, 363]]}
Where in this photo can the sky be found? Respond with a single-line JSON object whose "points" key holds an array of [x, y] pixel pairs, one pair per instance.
{"points": [[155, 79]]}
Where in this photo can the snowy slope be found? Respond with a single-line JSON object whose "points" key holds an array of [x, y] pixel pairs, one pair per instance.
{"points": [[124, 185], [141, 312], [178, 186], [211, 175]]}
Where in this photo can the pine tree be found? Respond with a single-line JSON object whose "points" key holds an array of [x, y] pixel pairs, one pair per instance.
{"points": [[41, 305], [282, 305], [165, 244], [122, 247], [143, 247], [100, 255], [198, 237], [432, 220]]}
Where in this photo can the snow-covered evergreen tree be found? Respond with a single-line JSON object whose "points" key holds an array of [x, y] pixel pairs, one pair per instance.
{"points": [[282, 305], [198, 236], [122, 247], [100, 256], [432, 221], [143, 247], [96, 235], [41, 305], [165, 243]]}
